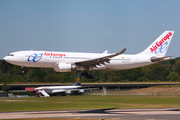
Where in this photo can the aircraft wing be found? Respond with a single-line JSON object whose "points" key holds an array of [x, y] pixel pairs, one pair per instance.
{"points": [[98, 61], [74, 90], [69, 91], [57, 91]]}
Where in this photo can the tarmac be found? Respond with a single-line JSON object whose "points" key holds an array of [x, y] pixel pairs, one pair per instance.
{"points": [[111, 113]]}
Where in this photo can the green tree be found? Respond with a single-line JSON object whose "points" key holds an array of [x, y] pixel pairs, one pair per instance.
{"points": [[28, 77], [173, 76], [131, 74], [38, 74], [5, 87], [5, 67], [156, 72], [176, 66], [177, 69], [16, 78], [16, 70], [51, 77], [63, 77]]}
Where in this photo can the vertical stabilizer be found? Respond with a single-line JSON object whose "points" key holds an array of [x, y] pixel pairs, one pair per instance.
{"points": [[78, 80], [160, 46]]}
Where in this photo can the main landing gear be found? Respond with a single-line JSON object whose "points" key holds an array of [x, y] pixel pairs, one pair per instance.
{"points": [[84, 73]]}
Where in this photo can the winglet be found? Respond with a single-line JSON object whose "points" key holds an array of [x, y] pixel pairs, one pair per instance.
{"points": [[105, 52], [121, 52]]}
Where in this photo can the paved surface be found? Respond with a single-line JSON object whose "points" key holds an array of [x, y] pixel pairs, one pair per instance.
{"points": [[129, 114]]}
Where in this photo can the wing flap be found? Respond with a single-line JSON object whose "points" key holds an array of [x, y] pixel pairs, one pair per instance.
{"points": [[99, 61]]}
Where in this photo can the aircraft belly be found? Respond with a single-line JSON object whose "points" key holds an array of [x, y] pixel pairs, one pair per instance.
{"points": [[119, 64], [30, 64], [126, 66]]}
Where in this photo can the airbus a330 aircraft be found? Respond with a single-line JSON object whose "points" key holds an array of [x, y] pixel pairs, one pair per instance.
{"points": [[49, 90], [68, 61]]}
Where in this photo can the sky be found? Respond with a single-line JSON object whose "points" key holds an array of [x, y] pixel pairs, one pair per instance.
{"points": [[87, 25]]}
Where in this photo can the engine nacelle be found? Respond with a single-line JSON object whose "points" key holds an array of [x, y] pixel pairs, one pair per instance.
{"points": [[64, 67]]}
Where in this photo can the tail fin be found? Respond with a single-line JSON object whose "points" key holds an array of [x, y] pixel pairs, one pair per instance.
{"points": [[78, 80], [160, 46], [105, 52]]}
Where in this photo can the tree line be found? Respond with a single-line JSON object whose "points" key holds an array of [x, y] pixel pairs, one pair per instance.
{"points": [[159, 72]]}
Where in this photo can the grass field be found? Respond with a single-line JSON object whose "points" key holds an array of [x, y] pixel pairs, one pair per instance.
{"points": [[57, 119], [88, 102]]}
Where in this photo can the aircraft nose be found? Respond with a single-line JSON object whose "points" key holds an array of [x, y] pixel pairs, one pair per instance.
{"points": [[33, 91], [5, 58]]}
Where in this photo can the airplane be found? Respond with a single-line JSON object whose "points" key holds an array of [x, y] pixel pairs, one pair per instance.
{"points": [[46, 91], [69, 61]]}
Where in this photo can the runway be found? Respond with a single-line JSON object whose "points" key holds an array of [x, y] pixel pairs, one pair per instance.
{"points": [[111, 113]]}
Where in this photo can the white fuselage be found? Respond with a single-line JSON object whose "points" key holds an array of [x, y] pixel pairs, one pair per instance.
{"points": [[50, 59], [68, 61], [56, 89]]}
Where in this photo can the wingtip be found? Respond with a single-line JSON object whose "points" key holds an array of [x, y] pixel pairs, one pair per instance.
{"points": [[123, 51]]}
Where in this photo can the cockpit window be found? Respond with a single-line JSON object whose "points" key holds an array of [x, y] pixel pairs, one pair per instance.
{"points": [[11, 55]]}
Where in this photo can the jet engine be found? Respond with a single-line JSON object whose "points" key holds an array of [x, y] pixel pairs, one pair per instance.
{"points": [[64, 67]]}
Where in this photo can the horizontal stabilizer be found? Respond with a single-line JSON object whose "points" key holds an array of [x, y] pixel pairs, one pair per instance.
{"points": [[91, 89], [157, 59]]}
